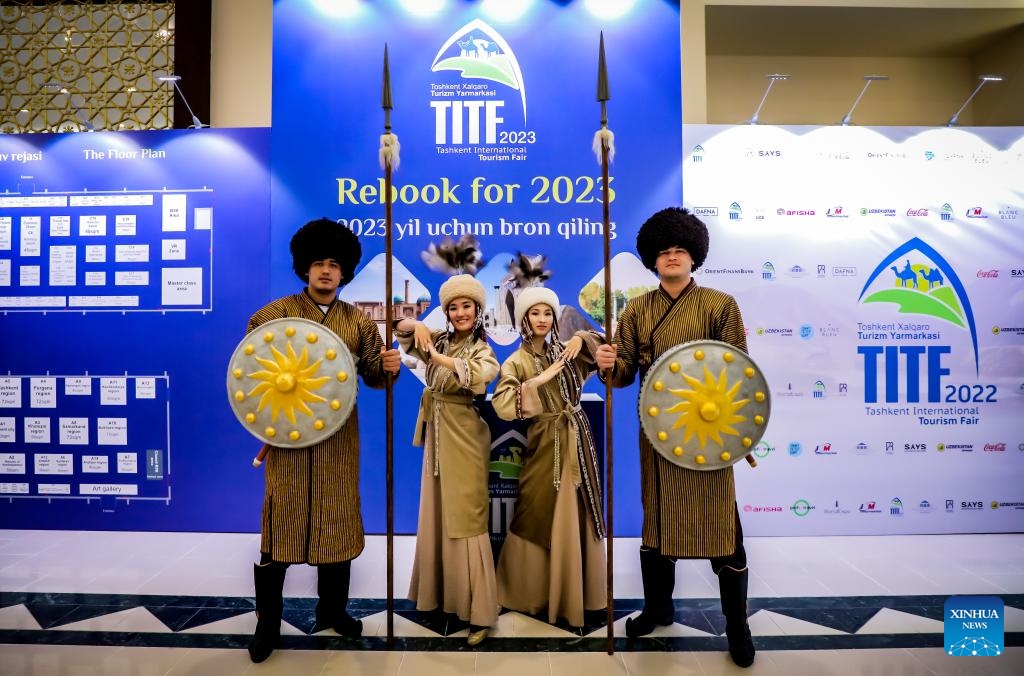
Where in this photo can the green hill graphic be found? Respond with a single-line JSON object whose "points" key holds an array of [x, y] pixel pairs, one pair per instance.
{"points": [[940, 303], [496, 68]]}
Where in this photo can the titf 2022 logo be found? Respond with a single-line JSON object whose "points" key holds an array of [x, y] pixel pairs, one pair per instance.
{"points": [[919, 281], [463, 109], [973, 626]]}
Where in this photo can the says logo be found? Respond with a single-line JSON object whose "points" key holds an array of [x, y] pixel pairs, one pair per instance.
{"points": [[927, 287], [482, 57]]}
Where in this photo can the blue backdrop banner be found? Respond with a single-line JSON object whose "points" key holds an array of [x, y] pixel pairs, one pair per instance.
{"points": [[496, 116], [129, 262]]}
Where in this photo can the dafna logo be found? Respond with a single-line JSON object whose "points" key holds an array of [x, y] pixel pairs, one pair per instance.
{"points": [[918, 281], [486, 65], [973, 626]]}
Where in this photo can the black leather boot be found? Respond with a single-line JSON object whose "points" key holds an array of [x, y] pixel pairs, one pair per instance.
{"points": [[659, 577], [332, 581], [733, 587], [269, 581]]}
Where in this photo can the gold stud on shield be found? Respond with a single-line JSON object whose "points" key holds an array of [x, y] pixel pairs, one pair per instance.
{"points": [[704, 405], [291, 382]]}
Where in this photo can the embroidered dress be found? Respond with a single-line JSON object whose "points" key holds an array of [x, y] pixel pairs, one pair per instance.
{"points": [[454, 566], [311, 511], [687, 513], [553, 557]]}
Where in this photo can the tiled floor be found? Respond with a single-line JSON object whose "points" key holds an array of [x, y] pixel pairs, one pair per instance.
{"points": [[179, 603]]}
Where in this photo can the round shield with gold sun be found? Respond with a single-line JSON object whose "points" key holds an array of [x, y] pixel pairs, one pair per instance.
{"points": [[704, 405], [292, 382]]}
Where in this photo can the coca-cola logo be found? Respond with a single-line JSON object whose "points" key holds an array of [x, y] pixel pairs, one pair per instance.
{"points": [[917, 212], [995, 448], [988, 273]]}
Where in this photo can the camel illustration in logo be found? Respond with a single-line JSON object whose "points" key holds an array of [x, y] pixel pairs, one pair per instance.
{"points": [[905, 275], [933, 277], [478, 48]]}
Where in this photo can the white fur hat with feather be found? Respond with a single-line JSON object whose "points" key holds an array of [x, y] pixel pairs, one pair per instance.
{"points": [[529, 275], [535, 295], [461, 260]]}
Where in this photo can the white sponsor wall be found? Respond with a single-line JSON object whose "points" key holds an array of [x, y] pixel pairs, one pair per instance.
{"points": [[880, 272]]}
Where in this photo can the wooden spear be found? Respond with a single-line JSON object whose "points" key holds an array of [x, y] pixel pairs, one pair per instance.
{"points": [[389, 161], [604, 141]]}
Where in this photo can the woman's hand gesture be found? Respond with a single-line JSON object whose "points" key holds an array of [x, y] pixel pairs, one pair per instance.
{"points": [[572, 348]]}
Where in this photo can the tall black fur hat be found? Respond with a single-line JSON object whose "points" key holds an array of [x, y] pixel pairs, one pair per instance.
{"points": [[322, 239], [674, 226]]}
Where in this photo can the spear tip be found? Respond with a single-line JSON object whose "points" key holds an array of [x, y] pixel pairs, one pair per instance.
{"points": [[602, 74], [385, 97]]}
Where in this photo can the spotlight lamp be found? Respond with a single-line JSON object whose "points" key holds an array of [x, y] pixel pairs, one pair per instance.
{"points": [[868, 79], [772, 79], [174, 79], [982, 81]]}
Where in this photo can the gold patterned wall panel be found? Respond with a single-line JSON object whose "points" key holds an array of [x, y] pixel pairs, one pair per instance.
{"points": [[88, 64]]}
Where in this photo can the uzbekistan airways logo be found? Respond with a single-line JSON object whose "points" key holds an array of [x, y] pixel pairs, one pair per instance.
{"points": [[922, 282], [479, 52]]}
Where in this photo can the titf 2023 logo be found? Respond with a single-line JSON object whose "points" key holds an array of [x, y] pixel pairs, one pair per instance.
{"points": [[484, 59], [973, 626], [919, 281]]}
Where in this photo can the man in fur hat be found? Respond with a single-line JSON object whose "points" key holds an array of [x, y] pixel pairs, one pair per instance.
{"points": [[687, 513], [311, 510]]}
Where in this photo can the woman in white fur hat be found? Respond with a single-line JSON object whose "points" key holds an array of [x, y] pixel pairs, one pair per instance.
{"points": [[453, 569], [553, 558]]}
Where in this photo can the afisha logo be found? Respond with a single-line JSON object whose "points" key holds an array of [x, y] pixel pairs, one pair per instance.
{"points": [[927, 286], [973, 626], [481, 55]]}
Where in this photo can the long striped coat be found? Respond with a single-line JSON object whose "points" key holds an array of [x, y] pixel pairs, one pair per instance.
{"points": [[687, 513], [311, 510]]}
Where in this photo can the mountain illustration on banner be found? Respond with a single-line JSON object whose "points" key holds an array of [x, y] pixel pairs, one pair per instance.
{"points": [[917, 279], [479, 52]]}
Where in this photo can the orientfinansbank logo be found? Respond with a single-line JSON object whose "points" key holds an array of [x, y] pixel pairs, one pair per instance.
{"points": [[918, 281], [469, 111], [973, 626]]}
